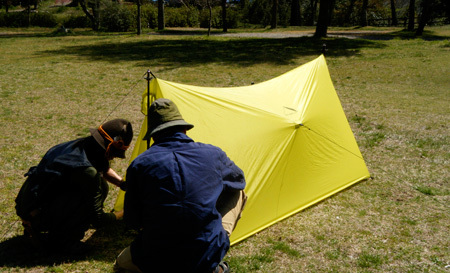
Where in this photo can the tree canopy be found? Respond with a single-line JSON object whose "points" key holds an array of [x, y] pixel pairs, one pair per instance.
{"points": [[114, 15]]}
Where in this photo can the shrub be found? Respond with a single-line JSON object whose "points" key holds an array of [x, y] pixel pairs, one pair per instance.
{"points": [[259, 12], [116, 17], [233, 17], [216, 21], [43, 19], [6, 20], [193, 14], [20, 19], [149, 16], [80, 21], [181, 17]]}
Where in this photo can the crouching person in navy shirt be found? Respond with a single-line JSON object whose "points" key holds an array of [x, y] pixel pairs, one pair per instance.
{"points": [[184, 197]]}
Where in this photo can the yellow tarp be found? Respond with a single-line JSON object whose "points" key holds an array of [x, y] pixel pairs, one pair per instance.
{"points": [[289, 135]]}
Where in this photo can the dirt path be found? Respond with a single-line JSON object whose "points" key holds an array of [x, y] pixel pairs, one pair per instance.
{"points": [[274, 34], [278, 34]]}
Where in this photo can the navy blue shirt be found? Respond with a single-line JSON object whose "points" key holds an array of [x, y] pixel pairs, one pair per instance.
{"points": [[172, 192]]}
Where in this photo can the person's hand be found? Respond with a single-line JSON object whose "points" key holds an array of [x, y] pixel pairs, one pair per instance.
{"points": [[123, 185], [119, 214]]}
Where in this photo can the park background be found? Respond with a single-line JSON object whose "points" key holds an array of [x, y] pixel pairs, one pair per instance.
{"points": [[56, 82]]}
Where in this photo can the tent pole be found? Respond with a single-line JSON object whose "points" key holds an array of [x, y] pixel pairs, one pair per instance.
{"points": [[148, 78]]}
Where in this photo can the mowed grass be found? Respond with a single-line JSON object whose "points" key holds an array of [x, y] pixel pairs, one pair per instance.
{"points": [[394, 89]]}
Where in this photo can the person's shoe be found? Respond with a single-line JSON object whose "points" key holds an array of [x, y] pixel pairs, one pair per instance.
{"points": [[222, 267], [117, 268]]}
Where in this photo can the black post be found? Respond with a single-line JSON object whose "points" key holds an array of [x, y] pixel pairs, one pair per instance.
{"points": [[148, 103]]}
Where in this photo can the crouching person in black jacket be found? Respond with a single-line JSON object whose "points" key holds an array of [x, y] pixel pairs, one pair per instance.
{"points": [[63, 195]]}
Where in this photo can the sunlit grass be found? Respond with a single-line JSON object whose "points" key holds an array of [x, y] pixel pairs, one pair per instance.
{"points": [[394, 90]]}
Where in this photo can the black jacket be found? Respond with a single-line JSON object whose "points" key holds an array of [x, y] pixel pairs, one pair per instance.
{"points": [[66, 188]]}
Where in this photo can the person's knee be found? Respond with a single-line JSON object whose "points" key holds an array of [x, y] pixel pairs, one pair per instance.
{"points": [[231, 211], [124, 262]]}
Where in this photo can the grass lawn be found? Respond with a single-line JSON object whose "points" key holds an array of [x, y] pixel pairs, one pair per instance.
{"points": [[395, 90]]}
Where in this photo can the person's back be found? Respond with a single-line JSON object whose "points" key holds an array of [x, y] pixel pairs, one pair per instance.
{"points": [[62, 188], [180, 185], [63, 195], [172, 197]]}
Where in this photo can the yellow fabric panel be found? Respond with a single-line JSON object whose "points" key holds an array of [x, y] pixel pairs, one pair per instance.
{"points": [[289, 135]]}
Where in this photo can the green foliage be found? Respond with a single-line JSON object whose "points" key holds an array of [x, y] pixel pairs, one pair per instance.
{"points": [[181, 17], [256, 12], [284, 12], [20, 19], [259, 12], [215, 18], [234, 17], [149, 16], [116, 17], [43, 20], [77, 21]]}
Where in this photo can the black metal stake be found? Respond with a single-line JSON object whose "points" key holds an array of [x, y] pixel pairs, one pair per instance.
{"points": [[148, 103]]}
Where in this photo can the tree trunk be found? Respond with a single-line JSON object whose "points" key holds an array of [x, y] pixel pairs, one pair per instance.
{"points": [[28, 13], [208, 2], [322, 21], [312, 12], [349, 12], [363, 15], [161, 23], [393, 13], [425, 16], [139, 25], [295, 13], [96, 13], [243, 4], [447, 11], [273, 22], [411, 14], [89, 15], [224, 16], [331, 11]]}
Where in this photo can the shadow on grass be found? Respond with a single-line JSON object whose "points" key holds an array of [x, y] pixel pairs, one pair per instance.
{"points": [[196, 51], [104, 244], [404, 35], [45, 33]]}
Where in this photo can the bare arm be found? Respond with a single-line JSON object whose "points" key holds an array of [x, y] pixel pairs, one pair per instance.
{"points": [[111, 176]]}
